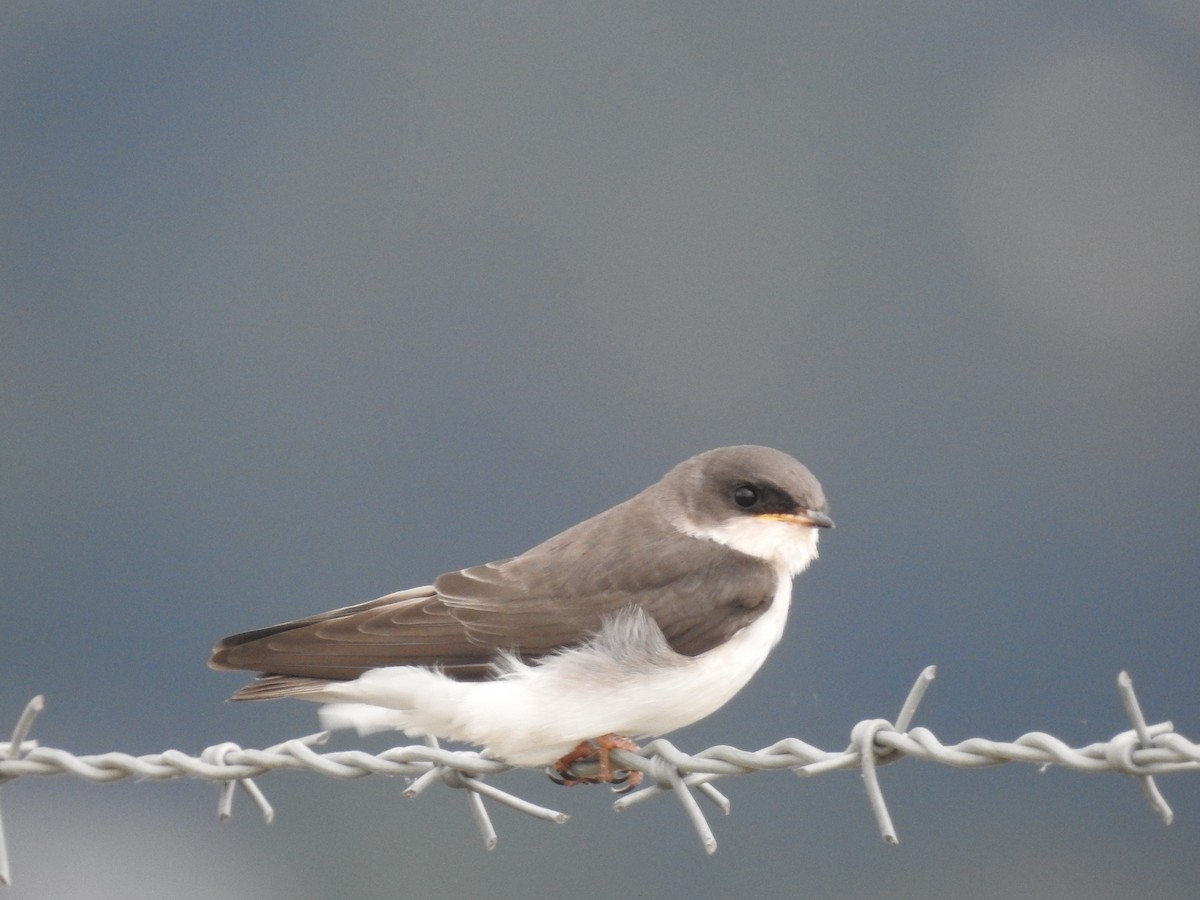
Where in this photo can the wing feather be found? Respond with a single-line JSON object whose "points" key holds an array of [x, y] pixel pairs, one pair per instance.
{"points": [[556, 595]]}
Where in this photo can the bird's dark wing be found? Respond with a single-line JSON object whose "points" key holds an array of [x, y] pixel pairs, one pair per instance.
{"points": [[556, 595], [700, 593]]}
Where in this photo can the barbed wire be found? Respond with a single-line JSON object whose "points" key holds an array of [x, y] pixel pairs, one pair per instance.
{"points": [[1143, 752]]}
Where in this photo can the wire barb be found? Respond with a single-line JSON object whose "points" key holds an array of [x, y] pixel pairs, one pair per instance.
{"points": [[1145, 741], [1142, 752], [10, 751]]}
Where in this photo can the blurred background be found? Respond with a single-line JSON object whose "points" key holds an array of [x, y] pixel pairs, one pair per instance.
{"points": [[304, 303]]}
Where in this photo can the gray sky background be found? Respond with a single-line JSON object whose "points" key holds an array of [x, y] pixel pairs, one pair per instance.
{"points": [[305, 303]]}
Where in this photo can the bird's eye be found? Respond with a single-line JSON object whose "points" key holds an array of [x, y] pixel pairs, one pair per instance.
{"points": [[745, 496]]}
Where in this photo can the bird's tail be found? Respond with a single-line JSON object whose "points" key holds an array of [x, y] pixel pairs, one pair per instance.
{"points": [[273, 687]]}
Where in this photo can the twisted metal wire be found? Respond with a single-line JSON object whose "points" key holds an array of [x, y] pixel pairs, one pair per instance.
{"points": [[1143, 752]]}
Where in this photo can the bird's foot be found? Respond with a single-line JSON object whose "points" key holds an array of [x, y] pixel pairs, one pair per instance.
{"points": [[601, 748]]}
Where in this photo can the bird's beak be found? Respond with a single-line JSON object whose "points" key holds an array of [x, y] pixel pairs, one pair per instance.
{"points": [[810, 517]]}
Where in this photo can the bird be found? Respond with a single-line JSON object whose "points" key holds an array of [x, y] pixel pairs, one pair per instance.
{"points": [[632, 624]]}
